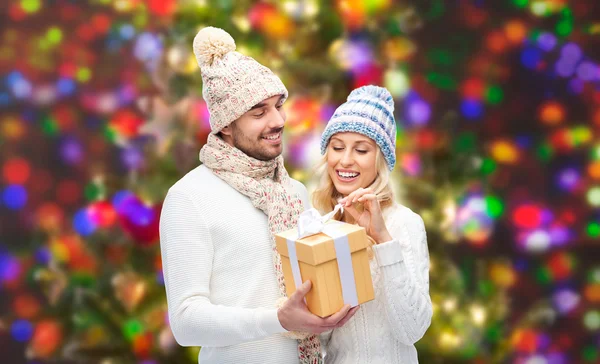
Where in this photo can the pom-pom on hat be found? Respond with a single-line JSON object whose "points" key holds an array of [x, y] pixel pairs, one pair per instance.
{"points": [[232, 83], [369, 110]]}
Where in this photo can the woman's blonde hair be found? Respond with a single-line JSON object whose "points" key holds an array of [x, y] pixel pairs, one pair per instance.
{"points": [[325, 196]]}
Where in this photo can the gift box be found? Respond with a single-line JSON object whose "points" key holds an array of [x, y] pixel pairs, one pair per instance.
{"points": [[334, 259]]}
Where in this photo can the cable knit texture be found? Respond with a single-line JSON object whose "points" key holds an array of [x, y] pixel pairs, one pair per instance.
{"points": [[384, 330], [220, 280], [267, 184]]}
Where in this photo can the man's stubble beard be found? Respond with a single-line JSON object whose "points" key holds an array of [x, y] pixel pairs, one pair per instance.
{"points": [[251, 147]]}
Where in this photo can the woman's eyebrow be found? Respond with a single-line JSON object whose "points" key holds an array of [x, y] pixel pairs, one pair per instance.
{"points": [[354, 143]]}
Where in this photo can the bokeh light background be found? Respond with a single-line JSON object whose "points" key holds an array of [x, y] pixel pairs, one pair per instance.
{"points": [[498, 112]]}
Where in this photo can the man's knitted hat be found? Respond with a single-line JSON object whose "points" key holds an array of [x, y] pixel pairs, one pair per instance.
{"points": [[369, 110], [232, 83]]}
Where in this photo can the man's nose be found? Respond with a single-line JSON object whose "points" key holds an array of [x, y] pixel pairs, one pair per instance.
{"points": [[276, 121]]}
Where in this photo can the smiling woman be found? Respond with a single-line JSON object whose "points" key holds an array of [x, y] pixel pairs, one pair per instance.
{"points": [[351, 161], [358, 147]]}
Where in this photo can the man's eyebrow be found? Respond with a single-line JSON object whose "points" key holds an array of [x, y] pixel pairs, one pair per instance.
{"points": [[263, 104], [259, 105]]}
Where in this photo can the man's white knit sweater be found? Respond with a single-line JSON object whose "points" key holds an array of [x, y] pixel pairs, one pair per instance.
{"points": [[219, 275]]}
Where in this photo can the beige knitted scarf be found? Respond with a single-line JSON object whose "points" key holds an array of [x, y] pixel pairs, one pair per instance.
{"points": [[268, 186]]}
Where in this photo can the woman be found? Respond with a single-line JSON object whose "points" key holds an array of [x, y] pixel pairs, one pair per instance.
{"points": [[358, 145]]}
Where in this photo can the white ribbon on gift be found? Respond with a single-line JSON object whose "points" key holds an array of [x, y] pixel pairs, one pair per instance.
{"points": [[310, 222]]}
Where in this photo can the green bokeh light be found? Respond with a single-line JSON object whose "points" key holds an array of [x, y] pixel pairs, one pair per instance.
{"points": [[520, 3], [132, 328], [488, 166], [54, 35], [31, 6], [593, 229], [494, 95], [494, 206]]}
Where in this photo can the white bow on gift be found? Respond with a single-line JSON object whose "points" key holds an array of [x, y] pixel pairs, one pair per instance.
{"points": [[310, 222]]}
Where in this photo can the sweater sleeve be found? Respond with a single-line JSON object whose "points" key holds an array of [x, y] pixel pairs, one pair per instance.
{"points": [[187, 256], [404, 265]]}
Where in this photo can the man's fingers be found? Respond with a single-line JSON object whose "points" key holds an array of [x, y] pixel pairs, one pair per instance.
{"points": [[299, 294], [336, 317], [348, 316], [318, 325]]}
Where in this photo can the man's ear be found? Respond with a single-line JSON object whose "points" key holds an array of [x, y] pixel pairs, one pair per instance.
{"points": [[226, 130]]}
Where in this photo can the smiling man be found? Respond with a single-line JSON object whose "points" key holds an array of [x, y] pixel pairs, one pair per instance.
{"points": [[222, 272], [258, 139]]}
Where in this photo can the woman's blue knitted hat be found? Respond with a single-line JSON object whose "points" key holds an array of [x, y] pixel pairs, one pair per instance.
{"points": [[369, 110]]}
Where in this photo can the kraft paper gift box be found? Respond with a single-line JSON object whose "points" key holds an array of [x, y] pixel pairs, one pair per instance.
{"points": [[335, 260]]}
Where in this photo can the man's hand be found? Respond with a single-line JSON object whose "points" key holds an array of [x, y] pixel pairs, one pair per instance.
{"points": [[294, 315]]}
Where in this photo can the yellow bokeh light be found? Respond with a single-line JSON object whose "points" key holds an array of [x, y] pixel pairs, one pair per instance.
{"points": [[12, 128], [449, 304], [502, 275], [504, 152], [59, 251], [449, 339], [478, 314]]}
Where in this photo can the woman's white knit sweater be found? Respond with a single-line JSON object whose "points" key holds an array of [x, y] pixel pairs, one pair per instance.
{"points": [[385, 329], [219, 275]]}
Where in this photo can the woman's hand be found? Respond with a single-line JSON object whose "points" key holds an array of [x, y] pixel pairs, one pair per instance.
{"points": [[371, 218]]}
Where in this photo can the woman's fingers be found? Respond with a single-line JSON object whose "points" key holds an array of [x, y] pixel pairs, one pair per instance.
{"points": [[361, 192], [347, 201], [354, 196], [370, 202], [353, 212], [368, 196], [350, 198]]}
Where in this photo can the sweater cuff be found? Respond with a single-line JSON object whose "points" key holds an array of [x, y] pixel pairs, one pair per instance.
{"points": [[388, 253], [269, 321]]}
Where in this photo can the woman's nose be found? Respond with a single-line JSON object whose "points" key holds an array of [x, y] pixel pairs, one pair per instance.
{"points": [[347, 160]]}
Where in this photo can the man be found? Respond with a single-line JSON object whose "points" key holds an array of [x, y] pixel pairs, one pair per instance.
{"points": [[222, 273]]}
